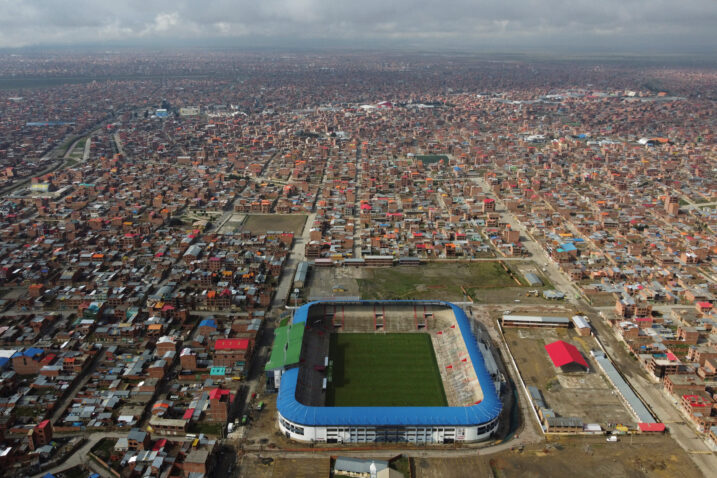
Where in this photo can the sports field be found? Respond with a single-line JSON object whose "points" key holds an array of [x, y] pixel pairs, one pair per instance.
{"points": [[261, 223], [384, 370], [436, 281]]}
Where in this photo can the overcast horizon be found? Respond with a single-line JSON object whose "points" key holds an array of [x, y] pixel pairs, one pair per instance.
{"points": [[612, 26]]}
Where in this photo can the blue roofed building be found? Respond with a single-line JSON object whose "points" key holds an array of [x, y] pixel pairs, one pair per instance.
{"points": [[565, 252], [28, 361]]}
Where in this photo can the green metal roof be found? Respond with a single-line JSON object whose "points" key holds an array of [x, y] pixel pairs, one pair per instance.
{"points": [[287, 346]]}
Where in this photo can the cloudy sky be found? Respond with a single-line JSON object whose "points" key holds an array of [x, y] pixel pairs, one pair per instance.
{"points": [[599, 25]]}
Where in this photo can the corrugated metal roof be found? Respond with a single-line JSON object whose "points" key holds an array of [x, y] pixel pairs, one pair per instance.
{"points": [[580, 322], [358, 465], [564, 422], [287, 345], [231, 344], [533, 279], [536, 318], [635, 404], [563, 353]]}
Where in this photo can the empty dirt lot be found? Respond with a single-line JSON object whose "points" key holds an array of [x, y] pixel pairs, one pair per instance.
{"points": [[485, 282], [251, 466], [586, 395], [644, 456], [333, 282], [474, 466], [233, 224]]}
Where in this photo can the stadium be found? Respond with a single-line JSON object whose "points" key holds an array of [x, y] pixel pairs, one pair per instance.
{"points": [[383, 371]]}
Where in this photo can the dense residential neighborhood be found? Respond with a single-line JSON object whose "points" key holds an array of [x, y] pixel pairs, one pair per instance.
{"points": [[156, 231]]}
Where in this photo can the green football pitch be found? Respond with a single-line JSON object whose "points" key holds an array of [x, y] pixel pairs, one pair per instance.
{"points": [[384, 370]]}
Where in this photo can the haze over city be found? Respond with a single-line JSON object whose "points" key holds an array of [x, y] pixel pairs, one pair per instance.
{"points": [[617, 26]]}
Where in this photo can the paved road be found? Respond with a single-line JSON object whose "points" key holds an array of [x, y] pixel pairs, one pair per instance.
{"points": [[699, 205], [60, 410], [81, 456], [539, 255], [118, 143], [529, 431], [482, 259], [658, 307], [61, 162], [682, 432], [88, 146], [292, 261], [662, 405]]}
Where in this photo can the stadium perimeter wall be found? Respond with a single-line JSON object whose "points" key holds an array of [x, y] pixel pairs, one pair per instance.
{"points": [[392, 424]]}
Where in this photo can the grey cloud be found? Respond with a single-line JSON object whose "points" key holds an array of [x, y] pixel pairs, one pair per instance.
{"points": [[428, 23]]}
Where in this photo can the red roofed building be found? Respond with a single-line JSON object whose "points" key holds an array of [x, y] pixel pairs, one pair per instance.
{"points": [[48, 359], [651, 427], [231, 344], [232, 352], [700, 408], [159, 444], [566, 356], [41, 435], [703, 307], [696, 402], [488, 205], [219, 402]]}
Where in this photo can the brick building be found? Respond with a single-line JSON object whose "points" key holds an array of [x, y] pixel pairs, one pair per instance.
{"points": [[232, 352]]}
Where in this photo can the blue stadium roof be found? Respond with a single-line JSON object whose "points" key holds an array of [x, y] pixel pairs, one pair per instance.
{"points": [[485, 411]]}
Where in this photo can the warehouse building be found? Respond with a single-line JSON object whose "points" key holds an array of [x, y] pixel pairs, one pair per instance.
{"points": [[533, 321]]}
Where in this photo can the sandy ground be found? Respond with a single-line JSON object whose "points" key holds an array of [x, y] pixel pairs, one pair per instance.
{"points": [[588, 396]]}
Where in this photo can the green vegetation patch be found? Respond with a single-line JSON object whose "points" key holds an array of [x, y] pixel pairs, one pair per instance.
{"points": [[402, 465], [445, 281], [104, 448], [261, 223], [78, 471], [208, 428], [26, 411], [384, 370], [431, 158]]}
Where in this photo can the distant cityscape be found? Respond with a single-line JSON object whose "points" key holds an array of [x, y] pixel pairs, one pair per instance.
{"points": [[185, 233]]}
